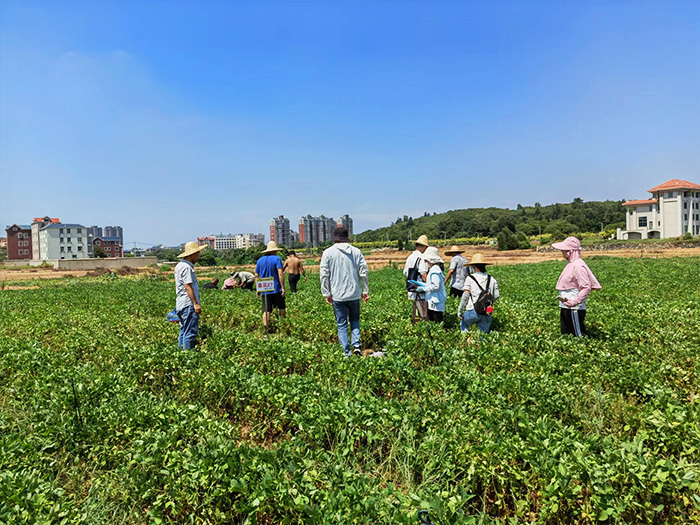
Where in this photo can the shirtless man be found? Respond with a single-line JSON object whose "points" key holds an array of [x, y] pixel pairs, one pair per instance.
{"points": [[295, 267]]}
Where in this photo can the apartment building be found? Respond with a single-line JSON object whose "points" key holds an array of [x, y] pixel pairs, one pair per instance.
{"points": [[52, 239], [314, 231], [112, 246], [19, 241], [345, 221], [672, 211], [280, 231]]}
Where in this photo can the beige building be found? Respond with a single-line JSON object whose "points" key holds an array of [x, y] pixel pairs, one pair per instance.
{"points": [[673, 210]]}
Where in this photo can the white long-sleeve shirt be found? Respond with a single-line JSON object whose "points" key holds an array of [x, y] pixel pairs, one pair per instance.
{"points": [[422, 268], [344, 272], [434, 289], [472, 290]]}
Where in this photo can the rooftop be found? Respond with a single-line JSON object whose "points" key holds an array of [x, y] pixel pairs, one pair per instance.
{"points": [[59, 225], [640, 202], [675, 184]]}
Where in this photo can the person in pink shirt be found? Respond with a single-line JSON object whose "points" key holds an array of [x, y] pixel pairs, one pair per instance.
{"points": [[575, 283]]}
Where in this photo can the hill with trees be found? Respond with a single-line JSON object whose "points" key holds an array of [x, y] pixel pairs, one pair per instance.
{"points": [[558, 220]]}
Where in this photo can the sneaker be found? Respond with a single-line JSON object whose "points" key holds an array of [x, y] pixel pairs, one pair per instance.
{"points": [[356, 350]]}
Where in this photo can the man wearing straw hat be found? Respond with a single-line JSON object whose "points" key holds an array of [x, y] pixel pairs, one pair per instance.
{"points": [[459, 270], [477, 282], [187, 295], [269, 280], [416, 269]]}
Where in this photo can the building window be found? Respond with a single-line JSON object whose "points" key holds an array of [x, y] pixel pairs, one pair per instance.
{"points": [[60, 231], [79, 230], [62, 249], [670, 194], [685, 217], [67, 230], [642, 222], [80, 248]]}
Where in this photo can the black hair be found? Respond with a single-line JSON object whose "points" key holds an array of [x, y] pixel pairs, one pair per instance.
{"points": [[480, 267]]}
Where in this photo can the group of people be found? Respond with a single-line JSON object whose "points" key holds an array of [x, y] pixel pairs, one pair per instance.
{"points": [[345, 283]]}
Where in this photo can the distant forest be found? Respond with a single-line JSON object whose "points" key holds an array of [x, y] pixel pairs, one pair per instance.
{"points": [[556, 219]]}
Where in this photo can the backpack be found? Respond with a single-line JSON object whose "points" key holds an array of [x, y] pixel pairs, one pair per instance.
{"points": [[413, 275], [484, 303]]}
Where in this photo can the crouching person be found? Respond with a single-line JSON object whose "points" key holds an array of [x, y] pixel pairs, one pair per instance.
{"points": [[480, 292], [187, 295]]}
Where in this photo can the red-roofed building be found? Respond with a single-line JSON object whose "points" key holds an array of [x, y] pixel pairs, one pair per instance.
{"points": [[673, 210]]}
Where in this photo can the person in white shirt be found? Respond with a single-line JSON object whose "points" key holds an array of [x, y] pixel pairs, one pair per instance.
{"points": [[459, 269], [434, 287], [474, 284], [344, 281], [420, 307]]}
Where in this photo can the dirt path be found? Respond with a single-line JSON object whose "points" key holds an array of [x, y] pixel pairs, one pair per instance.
{"points": [[383, 258]]}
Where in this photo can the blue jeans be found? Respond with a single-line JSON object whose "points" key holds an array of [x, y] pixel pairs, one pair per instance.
{"points": [[348, 311], [482, 322], [189, 327]]}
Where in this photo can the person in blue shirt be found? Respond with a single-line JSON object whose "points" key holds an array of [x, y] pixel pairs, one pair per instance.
{"points": [[269, 271]]}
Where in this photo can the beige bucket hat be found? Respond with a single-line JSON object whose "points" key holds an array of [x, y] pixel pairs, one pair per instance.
{"points": [[454, 250], [422, 240], [477, 259], [432, 256], [272, 247], [191, 248]]}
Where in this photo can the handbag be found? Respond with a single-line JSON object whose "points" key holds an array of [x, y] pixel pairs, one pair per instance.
{"points": [[413, 275]]}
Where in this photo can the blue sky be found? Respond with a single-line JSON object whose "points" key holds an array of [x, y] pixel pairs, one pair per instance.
{"points": [[184, 118]]}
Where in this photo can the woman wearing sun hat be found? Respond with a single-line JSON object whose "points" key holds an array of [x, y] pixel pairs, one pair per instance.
{"points": [[575, 283], [187, 295], [434, 287], [477, 282]]}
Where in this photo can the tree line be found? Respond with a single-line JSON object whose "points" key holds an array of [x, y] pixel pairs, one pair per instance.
{"points": [[558, 220]]}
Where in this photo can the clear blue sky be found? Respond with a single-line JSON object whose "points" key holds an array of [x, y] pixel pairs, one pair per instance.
{"points": [[182, 118]]}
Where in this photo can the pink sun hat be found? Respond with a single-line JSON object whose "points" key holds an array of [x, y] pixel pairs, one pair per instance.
{"points": [[569, 244]]}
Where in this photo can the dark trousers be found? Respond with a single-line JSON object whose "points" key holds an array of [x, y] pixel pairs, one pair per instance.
{"points": [[435, 316], [572, 322], [293, 280]]}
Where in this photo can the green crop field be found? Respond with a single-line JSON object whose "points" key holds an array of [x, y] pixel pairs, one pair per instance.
{"points": [[104, 421]]}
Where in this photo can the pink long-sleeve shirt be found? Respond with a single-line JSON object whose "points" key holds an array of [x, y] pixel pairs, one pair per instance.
{"points": [[576, 282]]}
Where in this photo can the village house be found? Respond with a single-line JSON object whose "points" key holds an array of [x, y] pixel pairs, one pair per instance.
{"points": [[672, 211]]}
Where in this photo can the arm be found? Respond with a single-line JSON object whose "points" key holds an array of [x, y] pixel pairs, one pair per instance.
{"points": [[280, 274], [301, 269], [432, 284], [286, 264], [449, 274], [190, 294], [363, 272], [496, 294], [466, 296], [325, 275]]}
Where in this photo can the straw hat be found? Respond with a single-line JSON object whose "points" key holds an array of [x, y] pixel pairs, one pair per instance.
{"points": [[431, 255], [454, 250], [272, 247], [422, 240], [191, 248], [477, 259]]}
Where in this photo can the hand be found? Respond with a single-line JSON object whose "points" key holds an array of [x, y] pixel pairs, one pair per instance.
{"points": [[282, 292], [197, 309], [329, 300], [304, 277], [365, 297]]}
